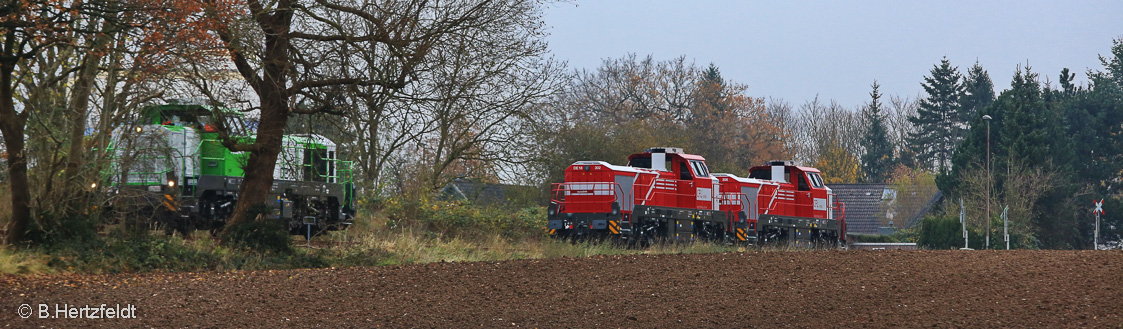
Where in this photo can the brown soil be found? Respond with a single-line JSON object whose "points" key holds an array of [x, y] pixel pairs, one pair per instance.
{"points": [[767, 289]]}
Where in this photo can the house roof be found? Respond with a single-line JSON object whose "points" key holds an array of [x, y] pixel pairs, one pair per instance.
{"points": [[863, 206], [487, 194], [870, 206]]}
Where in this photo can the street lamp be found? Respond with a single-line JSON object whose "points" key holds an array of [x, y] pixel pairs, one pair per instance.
{"points": [[987, 119]]}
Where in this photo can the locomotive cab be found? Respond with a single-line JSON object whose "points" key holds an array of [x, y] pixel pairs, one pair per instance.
{"points": [[802, 209], [695, 187], [802, 190]]}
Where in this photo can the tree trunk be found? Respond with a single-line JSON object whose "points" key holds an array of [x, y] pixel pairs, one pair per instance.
{"points": [[258, 180], [79, 102], [12, 127], [257, 183]]}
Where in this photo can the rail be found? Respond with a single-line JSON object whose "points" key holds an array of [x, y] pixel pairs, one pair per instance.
{"points": [[597, 196], [733, 199], [840, 206], [592, 195]]}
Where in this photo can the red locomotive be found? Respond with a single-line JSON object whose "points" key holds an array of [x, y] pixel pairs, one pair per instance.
{"points": [[664, 193]]}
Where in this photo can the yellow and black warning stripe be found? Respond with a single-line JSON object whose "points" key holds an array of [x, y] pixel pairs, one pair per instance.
{"points": [[170, 203], [741, 234], [614, 227], [551, 231]]}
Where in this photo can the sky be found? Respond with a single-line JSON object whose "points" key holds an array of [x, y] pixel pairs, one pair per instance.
{"points": [[797, 50]]}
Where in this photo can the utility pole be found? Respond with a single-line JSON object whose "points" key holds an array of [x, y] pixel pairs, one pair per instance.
{"points": [[1098, 211], [987, 119]]}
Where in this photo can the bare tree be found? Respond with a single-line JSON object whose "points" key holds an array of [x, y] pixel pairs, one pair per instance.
{"points": [[43, 44], [1021, 188], [900, 109], [817, 125], [293, 53], [467, 102]]}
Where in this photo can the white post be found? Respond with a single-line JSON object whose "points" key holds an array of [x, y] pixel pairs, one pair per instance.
{"points": [[1096, 241], [987, 119], [963, 219], [1005, 227], [1099, 210]]}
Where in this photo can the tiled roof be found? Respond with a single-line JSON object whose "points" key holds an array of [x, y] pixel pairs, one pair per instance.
{"points": [[863, 206], [487, 194], [869, 206]]}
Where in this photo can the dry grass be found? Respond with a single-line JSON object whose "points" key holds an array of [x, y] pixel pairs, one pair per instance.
{"points": [[370, 235], [369, 242], [22, 263]]}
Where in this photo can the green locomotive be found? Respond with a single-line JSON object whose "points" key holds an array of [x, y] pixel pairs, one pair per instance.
{"points": [[175, 164]]}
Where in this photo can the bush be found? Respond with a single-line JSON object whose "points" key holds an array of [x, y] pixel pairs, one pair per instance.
{"points": [[946, 232], [117, 254], [258, 232], [50, 230], [873, 238], [940, 232]]}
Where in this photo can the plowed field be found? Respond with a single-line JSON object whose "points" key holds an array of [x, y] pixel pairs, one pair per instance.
{"points": [[975, 289]]}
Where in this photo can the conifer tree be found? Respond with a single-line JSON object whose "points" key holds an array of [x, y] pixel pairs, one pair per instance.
{"points": [[979, 92], [878, 160], [1029, 122], [939, 121]]}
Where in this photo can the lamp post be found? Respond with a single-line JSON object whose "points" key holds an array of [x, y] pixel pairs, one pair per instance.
{"points": [[987, 119]]}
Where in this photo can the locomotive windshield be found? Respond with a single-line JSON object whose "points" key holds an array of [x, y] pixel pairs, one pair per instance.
{"points": [[765, 173], [644, 161], [816, 180], [700, 169], [761, 173], [640, 162]]}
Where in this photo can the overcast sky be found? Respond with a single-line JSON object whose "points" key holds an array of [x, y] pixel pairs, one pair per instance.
{"points": [[795, 50]]}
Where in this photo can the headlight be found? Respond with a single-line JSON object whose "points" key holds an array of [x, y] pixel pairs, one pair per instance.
{"points": [[93, 185], [139, 129], [171, 183]]}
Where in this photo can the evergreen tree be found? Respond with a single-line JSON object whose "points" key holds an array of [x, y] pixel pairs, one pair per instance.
{"points": [[939, 119], [1094, 117], [1029, 123], [878, 160], [1067, 88], [1068, 141], [712, 89], [979, 92], [1034, 141]]}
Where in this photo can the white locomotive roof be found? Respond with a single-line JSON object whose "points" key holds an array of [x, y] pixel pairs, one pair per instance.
{"points": [[310, 138], [746, 180]]}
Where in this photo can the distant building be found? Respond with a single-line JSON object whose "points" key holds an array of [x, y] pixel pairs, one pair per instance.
{"points": [[880, 209], [490, 194]]}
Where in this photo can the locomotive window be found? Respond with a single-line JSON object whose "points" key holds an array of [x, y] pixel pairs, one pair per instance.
{"points": [[684, 172], [803, 183], [700, 169], [640, 162], [816, 181]]}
